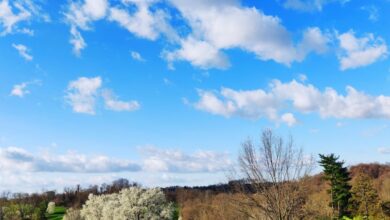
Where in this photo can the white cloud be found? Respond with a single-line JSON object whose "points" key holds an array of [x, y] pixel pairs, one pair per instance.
{"points": [[23, 51], [133, 15], [137, 56], [359, 52], [18, 159], [289, 119], [9, 19], [80, 16], [222, 25], [309, 5], [19, 90], [166, 160], [143, 22], [12, 13], [112, 103], [199, 53], [301, 97], [82, 94], [384, 150]]}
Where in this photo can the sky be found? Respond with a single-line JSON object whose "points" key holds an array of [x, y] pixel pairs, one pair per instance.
{"points": [[164, 92]]}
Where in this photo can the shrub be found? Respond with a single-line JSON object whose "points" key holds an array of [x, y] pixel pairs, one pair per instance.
{"points": [[132, 203], [51, 207]]}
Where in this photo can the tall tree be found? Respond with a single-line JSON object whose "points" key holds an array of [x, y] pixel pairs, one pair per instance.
{"points": [[273, 178], [338, 176], [364, 197]]}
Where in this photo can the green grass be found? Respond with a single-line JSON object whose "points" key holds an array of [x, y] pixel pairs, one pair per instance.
{"points": [[58, 214]]}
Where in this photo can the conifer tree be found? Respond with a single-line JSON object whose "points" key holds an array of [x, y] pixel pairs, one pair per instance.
{"points": [[338, 176]]}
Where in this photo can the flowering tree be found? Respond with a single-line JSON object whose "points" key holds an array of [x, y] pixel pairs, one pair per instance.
{"points": [[132, 203], [51, 207], [72, 214]]}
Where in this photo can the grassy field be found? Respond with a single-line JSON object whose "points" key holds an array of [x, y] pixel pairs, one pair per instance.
{"points": [[58, 213]]}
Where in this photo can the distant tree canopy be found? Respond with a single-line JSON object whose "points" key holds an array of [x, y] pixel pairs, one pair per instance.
{"points": [[338, 176], [365, 201]]}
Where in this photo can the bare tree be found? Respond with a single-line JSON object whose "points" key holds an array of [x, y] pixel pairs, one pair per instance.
{"points": [[273, 177]]}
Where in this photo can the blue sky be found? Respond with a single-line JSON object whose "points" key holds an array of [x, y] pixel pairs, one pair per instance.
{"points": [[164, 92]]}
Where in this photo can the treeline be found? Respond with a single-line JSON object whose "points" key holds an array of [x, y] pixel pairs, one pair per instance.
{"points": [[273, 182]]}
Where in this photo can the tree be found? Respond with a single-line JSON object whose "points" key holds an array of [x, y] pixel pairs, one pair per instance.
{"points": [[338, 175], [72, 214], [273, 177], [364, 197], [132, 203]]}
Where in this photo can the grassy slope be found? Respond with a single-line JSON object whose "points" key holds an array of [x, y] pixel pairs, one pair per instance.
{"points": [[58, 213]]}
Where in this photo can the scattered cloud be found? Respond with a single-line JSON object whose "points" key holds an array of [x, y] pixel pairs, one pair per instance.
{"points": [[82, 94], [373, 12], [20, 90], [134, 16], [297, 96], [137, 56], [142, 22], [384, 150], [359, 52], [12, 13], [19, 159], [112, 103], [309, 5], [167, 160], [23, 51], [80, 16]]}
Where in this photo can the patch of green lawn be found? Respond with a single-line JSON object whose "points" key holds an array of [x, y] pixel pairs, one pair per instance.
{"points": [[58, 214]]}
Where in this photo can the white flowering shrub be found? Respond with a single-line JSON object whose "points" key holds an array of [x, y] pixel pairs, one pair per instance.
{"points": [[51, 207], [72, 214], [132, 203]]}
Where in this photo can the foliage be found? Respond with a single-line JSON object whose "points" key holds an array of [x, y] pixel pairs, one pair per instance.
{"points": [[338, 175], [365, 201], [386, 208], [72, 214], [132, 203]]}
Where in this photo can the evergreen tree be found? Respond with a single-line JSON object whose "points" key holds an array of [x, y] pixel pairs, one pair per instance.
{"points": [[338, 176], [364, 197]]}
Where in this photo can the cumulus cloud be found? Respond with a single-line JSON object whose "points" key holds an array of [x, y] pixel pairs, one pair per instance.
{"points": [[309, 5], [222, 25], [19, 159], [82, 94], [359, 52], [20, 90], [289, 119], [297, 96], [133, 15], [167, 160], [112, 103], [23, 51], [144, 22]]}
